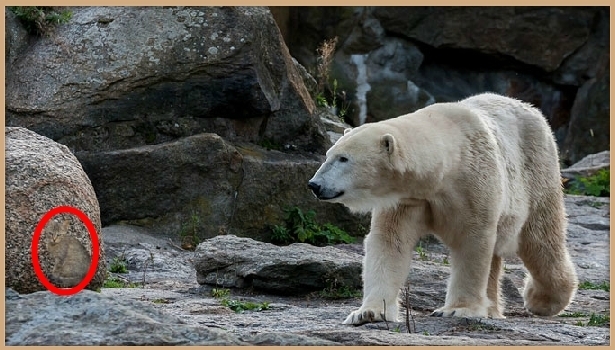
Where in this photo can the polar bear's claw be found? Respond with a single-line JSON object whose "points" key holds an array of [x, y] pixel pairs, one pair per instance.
{"points": [[360, 317], [459, 312]]}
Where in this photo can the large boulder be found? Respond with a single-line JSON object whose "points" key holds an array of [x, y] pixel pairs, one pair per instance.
{"points": [[203, 185], [231, 261], [589, 128], [588, 166], [120, 77], [16, 38], [138, 95], [42, 175], [394, 60], [539, 36]]}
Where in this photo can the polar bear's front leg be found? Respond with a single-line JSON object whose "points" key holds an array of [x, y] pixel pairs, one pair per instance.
{"points": [[388, 254], [466, 295]]}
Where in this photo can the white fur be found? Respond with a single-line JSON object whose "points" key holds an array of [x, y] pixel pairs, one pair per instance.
{"points": [[482, 174]]}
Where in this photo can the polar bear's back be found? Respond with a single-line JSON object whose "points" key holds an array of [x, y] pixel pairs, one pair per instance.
{"points": [[518, 127], [528, 152]]}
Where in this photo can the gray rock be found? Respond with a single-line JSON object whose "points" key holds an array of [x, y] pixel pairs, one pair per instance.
{"points": [[180, 190], [536, 54], [598, 160], [120, 77], [586, 62], [16, 38], [274, 181], [231, 261], [178, 310], [554, 33], [42, 175], [588, 166], [89, 318], [589, 128], [166, 185]]}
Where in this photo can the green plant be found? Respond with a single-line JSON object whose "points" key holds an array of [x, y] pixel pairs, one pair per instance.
{"points": [[220, 293], [445, 261], [573, 314], [115, 282], [590, 285], [189, 232], [280, 234], [422, 254], [325, 53], [160, 301], [241, 306], [326, 86], [269, 144], [41, 20], [343, 292], [118, 265], [321, 100], [342, 108], [480, 326], [597, 204], [302, 227], [598, 320], [597, 185], [425, 333]]}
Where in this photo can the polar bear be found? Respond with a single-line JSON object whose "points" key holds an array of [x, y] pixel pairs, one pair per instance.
{"points": [[483, 176]]}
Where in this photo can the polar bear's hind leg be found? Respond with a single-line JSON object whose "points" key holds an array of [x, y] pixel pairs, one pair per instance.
{"points": [[542, 247]]}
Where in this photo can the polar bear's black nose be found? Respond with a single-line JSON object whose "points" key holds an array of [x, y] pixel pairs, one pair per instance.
{"points": [[314, 187]]}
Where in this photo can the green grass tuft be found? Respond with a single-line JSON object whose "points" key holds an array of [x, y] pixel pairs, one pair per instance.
{"points": [[302, 227], [220, 293], [590, 285], [241, 306], [597, 185], [41, 20], [118, 265]]}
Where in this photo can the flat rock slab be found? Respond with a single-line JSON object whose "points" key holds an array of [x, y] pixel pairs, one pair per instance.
{"points": [[89, 318], [231, 261]]}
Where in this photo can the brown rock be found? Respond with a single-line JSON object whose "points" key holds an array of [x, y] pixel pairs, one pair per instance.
{"points": [[41, 175]]}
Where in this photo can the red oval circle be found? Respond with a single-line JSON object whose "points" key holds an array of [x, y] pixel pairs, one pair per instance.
{"points": [[95, 247]]}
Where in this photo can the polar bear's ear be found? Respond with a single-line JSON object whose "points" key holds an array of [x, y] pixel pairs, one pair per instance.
{"points": [[347, 130], [387, 141]]}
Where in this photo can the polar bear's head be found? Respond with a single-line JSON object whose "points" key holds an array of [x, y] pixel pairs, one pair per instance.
{"points": [[361, 169]]}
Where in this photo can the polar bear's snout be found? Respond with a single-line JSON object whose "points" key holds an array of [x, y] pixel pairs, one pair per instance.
{"points": [[322, 192], [312, 185]]}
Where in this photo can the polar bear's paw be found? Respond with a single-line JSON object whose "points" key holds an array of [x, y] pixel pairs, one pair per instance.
{"points": [[478, 312], [365, 315]]}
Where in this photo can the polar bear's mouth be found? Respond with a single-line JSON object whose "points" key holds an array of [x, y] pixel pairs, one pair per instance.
{"points": [[324, 193], [339, 194]]}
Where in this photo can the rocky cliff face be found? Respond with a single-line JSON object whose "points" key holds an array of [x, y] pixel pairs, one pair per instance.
{"points": [[153, 102], [554, 57], [120, 77]]}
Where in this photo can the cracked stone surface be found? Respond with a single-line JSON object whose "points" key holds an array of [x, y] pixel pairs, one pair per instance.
{"points": [[191, 315]]}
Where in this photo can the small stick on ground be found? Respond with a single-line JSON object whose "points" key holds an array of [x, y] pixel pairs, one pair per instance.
{"points": [[384, 314], [175, 245], [151, 257], [408, 309]]}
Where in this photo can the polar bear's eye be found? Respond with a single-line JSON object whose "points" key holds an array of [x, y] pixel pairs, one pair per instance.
{"points": [[343, 159]]}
